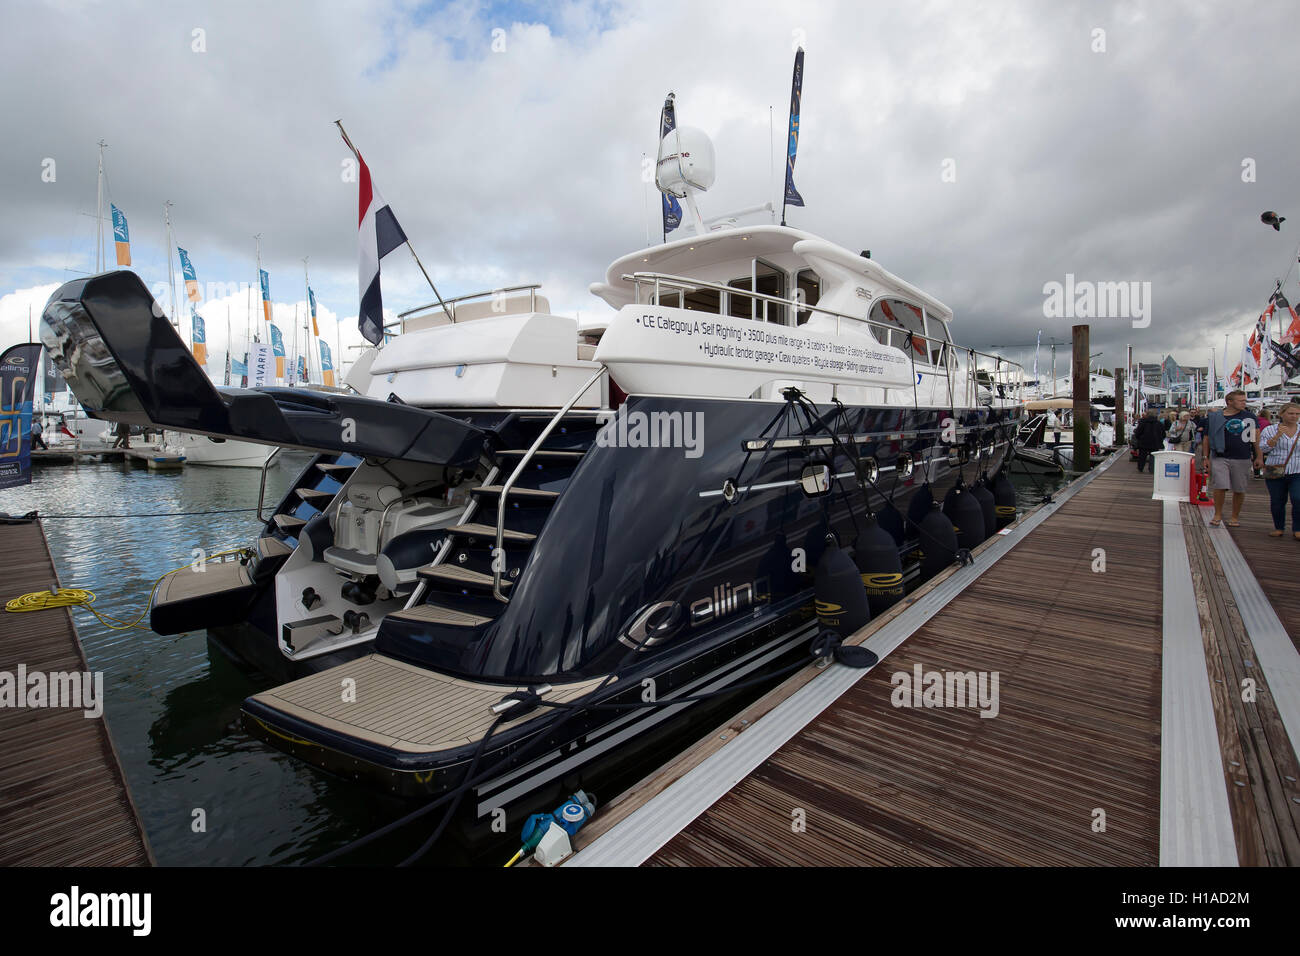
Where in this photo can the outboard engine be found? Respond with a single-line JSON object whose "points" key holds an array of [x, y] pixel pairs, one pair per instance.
{"points": [[876, 555]]}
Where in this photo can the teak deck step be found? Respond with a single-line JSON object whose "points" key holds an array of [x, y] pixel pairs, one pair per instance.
{"points": [[286, 522], [458, 575], [272, 547], [437, 614], [487, 531], [189, 583], [334, 466], [401, 706], [311, 494], [521, 492]]}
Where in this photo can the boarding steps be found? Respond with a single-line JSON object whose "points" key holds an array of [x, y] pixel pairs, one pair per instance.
{"points": [[455, 590], [314, 490]]}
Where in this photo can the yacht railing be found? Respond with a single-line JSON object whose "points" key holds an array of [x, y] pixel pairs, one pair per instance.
{"points": [[1004, 377], [440, 556], [498, 554], [452, 303], [261, 490]]}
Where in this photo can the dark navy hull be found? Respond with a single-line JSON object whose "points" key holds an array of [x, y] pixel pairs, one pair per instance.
{"points": [[643, 568]]}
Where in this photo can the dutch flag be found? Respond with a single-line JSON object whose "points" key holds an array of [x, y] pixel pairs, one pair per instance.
{"points": [[380, 234]]}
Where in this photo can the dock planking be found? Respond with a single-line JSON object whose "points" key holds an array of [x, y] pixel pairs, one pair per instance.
{"points": [[1079, 657], [1259, 760], [1275, 562], [1078, 730], [63, 796]]}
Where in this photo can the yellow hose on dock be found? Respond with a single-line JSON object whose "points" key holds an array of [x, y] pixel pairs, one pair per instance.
{"points": [[83, 598]]}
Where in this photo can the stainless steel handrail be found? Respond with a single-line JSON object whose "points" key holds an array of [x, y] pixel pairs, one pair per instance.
{"points": [[417, 595], [519, 470], [261, 490], [465, 298]]}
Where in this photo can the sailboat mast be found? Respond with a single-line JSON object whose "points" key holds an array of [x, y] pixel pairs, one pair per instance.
{"points": [[307, 338], [229, 343], [258, 286], [171, 271], [293, 353], [99, 212]]}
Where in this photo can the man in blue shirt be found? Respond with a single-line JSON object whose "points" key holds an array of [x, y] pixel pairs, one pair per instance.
{"points": [[1231, 445]]}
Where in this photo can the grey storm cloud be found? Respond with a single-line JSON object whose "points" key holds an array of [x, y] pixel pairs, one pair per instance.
{"points": [[979, 150]]}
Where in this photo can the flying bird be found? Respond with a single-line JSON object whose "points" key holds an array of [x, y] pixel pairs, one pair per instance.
{"points": [[1271, 218]]}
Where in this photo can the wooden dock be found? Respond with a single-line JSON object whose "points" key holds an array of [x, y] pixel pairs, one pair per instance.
{"points": [[63, 797], [1093, 758], [59, 455]]}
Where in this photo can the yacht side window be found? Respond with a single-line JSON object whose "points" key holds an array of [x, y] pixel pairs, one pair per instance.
{"points": [[901, 318], [808, 287], [669, 297], [770, 281], [704, 300]]}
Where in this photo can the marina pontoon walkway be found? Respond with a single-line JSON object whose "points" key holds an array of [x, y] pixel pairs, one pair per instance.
{"points": [[1275, 562], [63, 798], [1121, 736]]}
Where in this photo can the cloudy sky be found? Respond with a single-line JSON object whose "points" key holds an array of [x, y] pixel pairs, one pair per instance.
{"points": [[980, 150]]}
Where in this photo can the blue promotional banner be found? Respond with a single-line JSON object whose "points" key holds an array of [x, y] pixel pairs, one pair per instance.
{"points": [[19, 367], [326, 364], [191, 277], [792, 197], [277, 346], [121, 236]]}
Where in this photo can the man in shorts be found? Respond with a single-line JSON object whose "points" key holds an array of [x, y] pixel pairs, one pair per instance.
{"points": [[1231, 443]]}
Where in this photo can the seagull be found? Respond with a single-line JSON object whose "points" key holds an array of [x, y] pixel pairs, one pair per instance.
{"points": [[1271, 218]]}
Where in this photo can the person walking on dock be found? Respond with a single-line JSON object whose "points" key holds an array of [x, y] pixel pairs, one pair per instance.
{"points": [[1181, 433], [123, 432], [1231, 445], [1149, 436], [1281, 466], [37, 430]]}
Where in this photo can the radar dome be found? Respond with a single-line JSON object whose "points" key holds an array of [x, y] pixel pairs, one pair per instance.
{"points": [[685, 159]]}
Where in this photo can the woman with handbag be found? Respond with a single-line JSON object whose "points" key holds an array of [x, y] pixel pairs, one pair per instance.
{"points": [[1281, 466], [1181, 433]]}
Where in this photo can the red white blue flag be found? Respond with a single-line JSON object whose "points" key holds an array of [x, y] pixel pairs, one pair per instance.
{"points": [[380, 234]]}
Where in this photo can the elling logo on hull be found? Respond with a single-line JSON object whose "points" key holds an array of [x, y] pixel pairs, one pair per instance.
{"points": [[658, 622]]}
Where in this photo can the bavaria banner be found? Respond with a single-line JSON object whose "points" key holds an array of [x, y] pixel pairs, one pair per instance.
{"points": [[261, 365]]}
